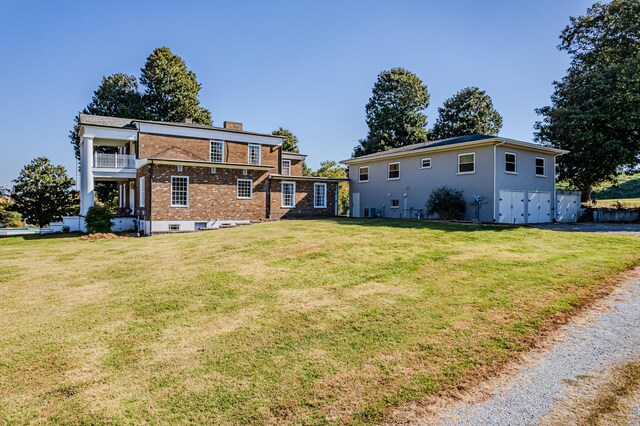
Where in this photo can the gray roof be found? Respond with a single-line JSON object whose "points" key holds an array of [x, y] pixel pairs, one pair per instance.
{"points": [[429, 144], [99, 120]]}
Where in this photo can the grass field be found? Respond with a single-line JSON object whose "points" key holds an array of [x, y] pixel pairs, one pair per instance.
{"points": [[308, 322], [625, 202], [627, 187]]}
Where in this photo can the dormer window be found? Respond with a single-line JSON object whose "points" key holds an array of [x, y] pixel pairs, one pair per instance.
{"points": [[254, 154], [286, 167]]}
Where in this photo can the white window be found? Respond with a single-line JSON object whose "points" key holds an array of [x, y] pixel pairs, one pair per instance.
{"points": [[141, 192], [364, 174], [286, 167], [393, 171], [288, 194], [254, 154], [510, 162], [245, 189], [320, 195], [180, 169], [217, 152], [395, 204], [467, 163], [174, 227], [179, 191], [425, 163], [540, 166]]}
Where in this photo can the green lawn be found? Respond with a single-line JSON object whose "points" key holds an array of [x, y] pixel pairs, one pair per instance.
{"points": [[627, 186], [307, 322]]}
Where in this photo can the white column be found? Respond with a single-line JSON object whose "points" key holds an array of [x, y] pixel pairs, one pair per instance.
{"points": [[86, 175]]}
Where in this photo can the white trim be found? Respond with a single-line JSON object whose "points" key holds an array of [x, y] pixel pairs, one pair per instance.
{"points": [[544, 167], [388, 170], [474, 164], [282, 167], [252, 145], [515, 163], [211, 142], [223, 134], [318, 184], [141, 191], [360, 174], [282, 184], [171, 192], [87, 131], [238, 189], [293, 156], [422, 166]]}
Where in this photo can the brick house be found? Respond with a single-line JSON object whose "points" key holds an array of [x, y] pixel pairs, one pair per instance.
{"points": [[185, 176]]}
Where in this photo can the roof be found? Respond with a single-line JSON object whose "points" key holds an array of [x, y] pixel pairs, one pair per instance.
{"points": [[129, 123], [458, 140]]}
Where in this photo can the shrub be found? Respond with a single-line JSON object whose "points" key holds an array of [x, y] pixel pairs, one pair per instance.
{"points": [[98, 219], [447, 202], [10, 219]]}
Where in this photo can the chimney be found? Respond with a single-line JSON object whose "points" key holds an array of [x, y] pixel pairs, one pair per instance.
{"points": [[188, 121], [231, 125]]}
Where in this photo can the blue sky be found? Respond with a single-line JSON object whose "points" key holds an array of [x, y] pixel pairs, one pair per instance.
{"points": [[307, 66]]}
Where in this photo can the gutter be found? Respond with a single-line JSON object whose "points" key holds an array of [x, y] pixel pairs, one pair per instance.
{"points": [[495, 183]]}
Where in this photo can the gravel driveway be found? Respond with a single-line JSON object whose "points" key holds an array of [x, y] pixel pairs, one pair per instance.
{"points": [[597, 341]]}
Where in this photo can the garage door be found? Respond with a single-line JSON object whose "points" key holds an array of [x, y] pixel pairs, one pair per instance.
{"points": [[539, 207], [568, 207], [511, 206]]}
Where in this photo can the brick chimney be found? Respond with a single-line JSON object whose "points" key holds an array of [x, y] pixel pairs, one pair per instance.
{"points": [[232, 125], [188, 121]]}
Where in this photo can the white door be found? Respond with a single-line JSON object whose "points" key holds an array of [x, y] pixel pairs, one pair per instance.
{"points": [[568, 207], [132, 197], [539, 207], [355, 204], [511, 206]]}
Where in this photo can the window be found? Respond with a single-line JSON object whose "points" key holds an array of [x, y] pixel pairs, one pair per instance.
{"points": [[364, 174], [213, 170], [540, 166], [254, 154], [141, 192], [393, 171], [174, 227], [425, 163], [217, 152], [509, 162], [288, 194], [467, 163], [245, 189], [286, 167], [319, 195], [180, 169], [395, 204], [179, 191]]}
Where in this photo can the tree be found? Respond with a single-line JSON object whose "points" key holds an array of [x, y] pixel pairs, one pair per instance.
{"points": [[595, 108], [171, 90], [290, 144], [42, 192], [331, 169], [468, 111], [395, 114], [8, 218]]}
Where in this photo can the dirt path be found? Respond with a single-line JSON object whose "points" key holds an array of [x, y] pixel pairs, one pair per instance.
{"points": [[589, 373]]}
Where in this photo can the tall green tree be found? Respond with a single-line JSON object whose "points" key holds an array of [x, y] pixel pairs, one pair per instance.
{"points": [[43, 192], [468, 111], [595, 108], [290, 144], [395, 112], [331, 169], [171, 89]]}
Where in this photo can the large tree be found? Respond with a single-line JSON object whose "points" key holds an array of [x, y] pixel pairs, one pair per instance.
{"points": [[290, 144], [171, 89], [43, 192], [595, 108], [468, 111], [395, 112]]}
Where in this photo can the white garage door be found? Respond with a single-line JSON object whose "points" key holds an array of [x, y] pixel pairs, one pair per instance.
{"points": [[539, 207], [568, 207], [511, 206]]}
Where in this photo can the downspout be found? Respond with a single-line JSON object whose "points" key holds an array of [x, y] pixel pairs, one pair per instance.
{"points": [[555, 191], [268, 200], [150, 197], [495, 183], [335, 200]]}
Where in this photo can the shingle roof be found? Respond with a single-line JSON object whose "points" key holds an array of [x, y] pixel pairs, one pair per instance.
{"points": [[99, 120], [429, 144]]}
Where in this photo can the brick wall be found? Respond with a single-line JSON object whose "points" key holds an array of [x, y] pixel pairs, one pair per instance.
{"points": [[238, 152], [172, 147], [211, 196], [304, 201]]}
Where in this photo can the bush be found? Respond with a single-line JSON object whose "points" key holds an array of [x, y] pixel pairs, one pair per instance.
{"points": [[98, 219], [447, 202], [10, 219]]}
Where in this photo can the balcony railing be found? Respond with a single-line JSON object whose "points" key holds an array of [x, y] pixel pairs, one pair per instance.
{"points": [[114, 161]]}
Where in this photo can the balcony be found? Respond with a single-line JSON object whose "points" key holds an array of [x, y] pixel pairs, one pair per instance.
{"points": [[113, 166]]}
